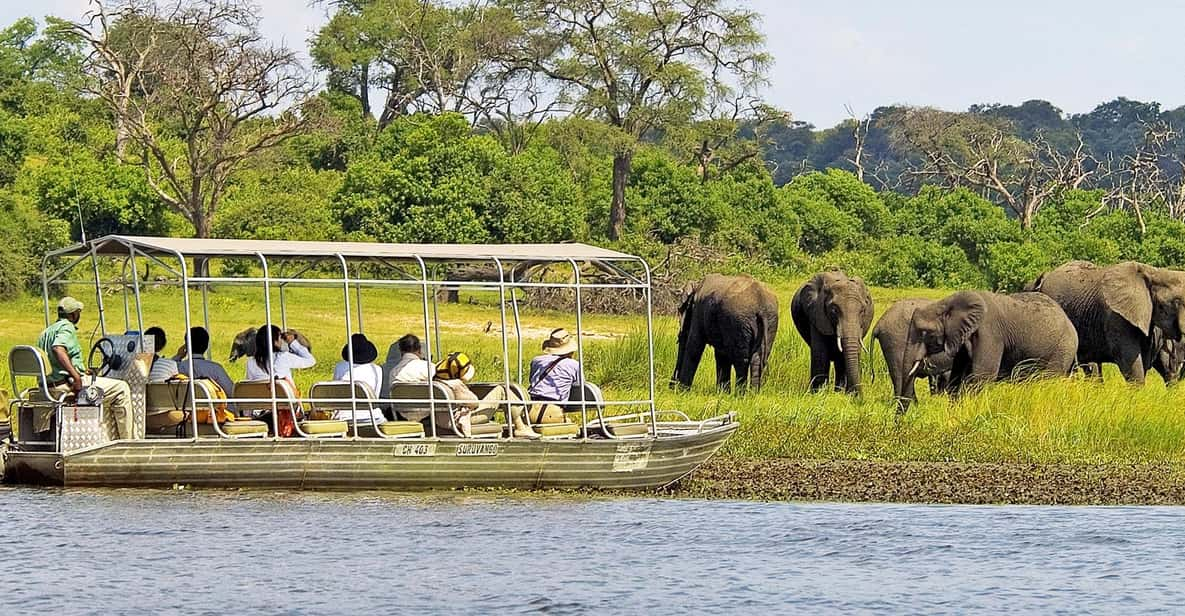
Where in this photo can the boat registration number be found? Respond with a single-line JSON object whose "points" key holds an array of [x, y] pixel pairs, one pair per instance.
{"points": [[631, 457], [477, 449], [414, 449]]}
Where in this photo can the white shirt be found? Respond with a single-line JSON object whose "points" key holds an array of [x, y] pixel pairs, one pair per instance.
{"points": [[370, 374], [283, 363], [411, 369]]}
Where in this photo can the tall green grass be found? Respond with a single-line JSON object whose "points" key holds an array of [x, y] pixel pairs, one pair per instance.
{"points": [[1060, 420]]}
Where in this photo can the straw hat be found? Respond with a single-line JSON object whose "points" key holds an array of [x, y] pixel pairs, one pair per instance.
{"points": [[560, 342], [364, 350], [455, 366]]}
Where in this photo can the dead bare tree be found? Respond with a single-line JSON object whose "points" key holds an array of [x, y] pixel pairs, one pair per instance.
{"points": [[860, 128], [195, 92], [1143, 179], [960, 149]]}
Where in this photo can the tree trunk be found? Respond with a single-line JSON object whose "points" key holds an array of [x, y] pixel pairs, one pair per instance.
{"points": [[201, 230], [364, 91], [622, 162]]}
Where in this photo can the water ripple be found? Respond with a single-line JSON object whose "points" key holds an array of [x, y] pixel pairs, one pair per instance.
{"points": [[212, 552]]}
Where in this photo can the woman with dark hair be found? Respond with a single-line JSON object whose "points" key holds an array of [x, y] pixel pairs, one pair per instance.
{"points": [[287, 354]]}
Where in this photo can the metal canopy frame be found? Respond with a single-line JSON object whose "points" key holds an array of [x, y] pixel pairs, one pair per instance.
{"points": [[169, 251]]}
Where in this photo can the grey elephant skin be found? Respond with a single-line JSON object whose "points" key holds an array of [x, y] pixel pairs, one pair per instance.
{"points": [[892, 334], [244, 343], [738, 317], [1003, 336], [832, 312], [1115, 310]]}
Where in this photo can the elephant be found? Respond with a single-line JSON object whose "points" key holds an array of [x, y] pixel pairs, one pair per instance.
{"points": [[892, 333], [1116, 309], [244, 343], [1003, 336], [832, 313], [1168, 356], [738, 316]]}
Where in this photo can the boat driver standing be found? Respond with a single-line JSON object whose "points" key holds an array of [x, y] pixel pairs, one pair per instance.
{"points": [[60, 342]]}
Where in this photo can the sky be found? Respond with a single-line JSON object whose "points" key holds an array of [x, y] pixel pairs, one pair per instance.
{"points": [[831, 55]]}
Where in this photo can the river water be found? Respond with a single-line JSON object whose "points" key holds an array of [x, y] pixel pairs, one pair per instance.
{"points": [[215, 552]]}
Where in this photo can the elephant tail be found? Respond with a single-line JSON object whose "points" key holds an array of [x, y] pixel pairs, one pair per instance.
{"points": [[763, 344]]}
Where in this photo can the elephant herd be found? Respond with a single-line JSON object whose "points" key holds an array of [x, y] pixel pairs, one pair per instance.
{"points": [[1080, 314]]}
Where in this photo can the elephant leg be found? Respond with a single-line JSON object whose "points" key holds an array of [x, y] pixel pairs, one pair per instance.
{"points": [[723, 372], [820, 361], [1131, 364], [841, 374], [985, 367], [742, 367]]}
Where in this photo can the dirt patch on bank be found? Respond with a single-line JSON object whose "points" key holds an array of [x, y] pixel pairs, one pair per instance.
{"points": [[938, 482]]}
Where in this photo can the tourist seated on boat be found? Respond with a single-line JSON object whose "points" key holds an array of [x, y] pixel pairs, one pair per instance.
{"points": [[59, 341], [287, 354], [364, 370], [202, 368], [412, 367], [455, 371], [553, 373], [163, 368]]}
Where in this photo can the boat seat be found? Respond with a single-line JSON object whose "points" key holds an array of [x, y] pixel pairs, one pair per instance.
{"points": [[402, 429], [36, 407], [417, 405], [241, 428], [324, 427], [167, 408], [332, 398], [557, 431], [287, 402]]}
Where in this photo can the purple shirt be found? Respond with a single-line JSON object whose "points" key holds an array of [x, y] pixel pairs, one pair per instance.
{"points": [[557, 384]]}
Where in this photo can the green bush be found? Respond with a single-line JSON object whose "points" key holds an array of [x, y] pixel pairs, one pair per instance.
{"points": [[849, 195], [1012, 265], [27, 237], [275, 205]]}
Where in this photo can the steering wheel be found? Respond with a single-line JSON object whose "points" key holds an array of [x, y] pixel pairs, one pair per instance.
{"points": [[109, 360]]}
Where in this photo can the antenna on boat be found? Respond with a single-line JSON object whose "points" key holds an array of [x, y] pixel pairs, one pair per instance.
{"points": [[81, 224]]}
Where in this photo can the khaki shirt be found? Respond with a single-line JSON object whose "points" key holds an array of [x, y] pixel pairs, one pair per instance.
{"points": [[61, 333]]}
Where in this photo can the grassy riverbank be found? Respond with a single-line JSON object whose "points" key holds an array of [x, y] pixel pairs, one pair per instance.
{"points": [[1069, 421]]}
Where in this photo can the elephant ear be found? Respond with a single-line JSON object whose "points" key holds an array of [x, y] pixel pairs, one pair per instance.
{"points": [[963, 316], [1125, 291], [688, 294], [817, 307], [866, 307]]}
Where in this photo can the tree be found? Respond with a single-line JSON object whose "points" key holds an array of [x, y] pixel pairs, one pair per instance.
{"points": [[194, 90], [964, 149], [428, 57], [639, 65]]}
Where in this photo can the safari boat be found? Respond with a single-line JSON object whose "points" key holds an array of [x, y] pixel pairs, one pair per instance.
{"points": [[411, 444]]}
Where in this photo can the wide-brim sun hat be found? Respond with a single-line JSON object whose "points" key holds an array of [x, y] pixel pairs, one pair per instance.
{"points": [[364, 350], [560, 342]]}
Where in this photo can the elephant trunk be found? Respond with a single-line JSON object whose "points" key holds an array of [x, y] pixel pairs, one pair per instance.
{"points": [[851, 342]]}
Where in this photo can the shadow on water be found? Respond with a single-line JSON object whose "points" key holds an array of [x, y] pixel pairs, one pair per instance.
{"points": [[124, 551]]}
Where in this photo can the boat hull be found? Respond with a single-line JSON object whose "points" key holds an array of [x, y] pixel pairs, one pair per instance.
{"points": [[424, 464]]}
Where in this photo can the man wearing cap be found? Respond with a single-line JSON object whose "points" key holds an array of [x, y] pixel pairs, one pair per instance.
{"points": [[59, 341], [552, 376]]}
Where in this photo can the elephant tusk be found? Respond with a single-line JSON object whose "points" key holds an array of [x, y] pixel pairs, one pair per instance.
{"points": [[839, 344], [914, 370]]}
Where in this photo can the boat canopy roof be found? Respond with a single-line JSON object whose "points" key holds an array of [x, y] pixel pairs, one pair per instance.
{"points": [[159, 247]]}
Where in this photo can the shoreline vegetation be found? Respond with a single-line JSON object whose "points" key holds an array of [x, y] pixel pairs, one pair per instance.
{"points": [[1071, 441]]}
